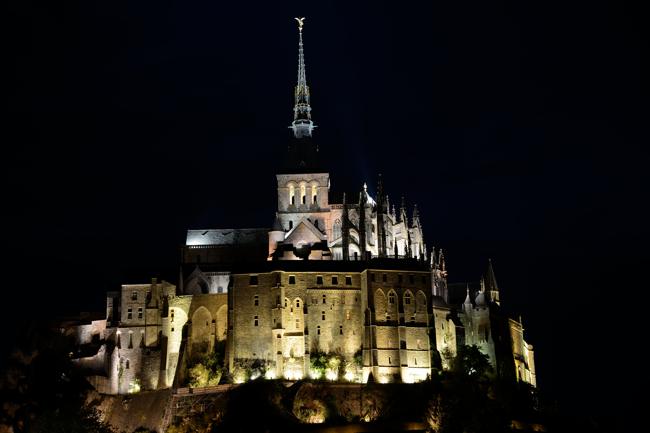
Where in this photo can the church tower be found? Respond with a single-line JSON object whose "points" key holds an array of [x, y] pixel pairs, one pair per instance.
{"points": [[303, 187]]}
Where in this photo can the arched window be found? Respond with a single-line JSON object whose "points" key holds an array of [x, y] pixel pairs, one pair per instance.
{"points": [[128, 364], [303, 194], [336, 229], [314, 194], [391, 298], [407, 298], [292, 194]]}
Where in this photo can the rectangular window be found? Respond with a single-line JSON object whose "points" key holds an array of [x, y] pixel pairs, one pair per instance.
{"points": [[318, 330], [384, 277], [324, 299], [340, 329], [255, 321], [322, 315], [348, 281], [399, 278], [319, 280], [134, 296], [292, 279], [372, 277], [256, 300], [252, 280], [335, 280], [139, 312], [129, 314], [171, 315], [411, 279]]}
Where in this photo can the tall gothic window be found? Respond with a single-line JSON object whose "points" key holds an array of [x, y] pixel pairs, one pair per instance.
{"points": [[314, 194], [303, 194], [292, 194]]}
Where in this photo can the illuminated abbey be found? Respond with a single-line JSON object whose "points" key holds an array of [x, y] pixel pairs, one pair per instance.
{"points": [[352, 278]]}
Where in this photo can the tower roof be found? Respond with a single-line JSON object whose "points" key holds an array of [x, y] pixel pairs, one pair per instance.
{"points": [[302, 125]]}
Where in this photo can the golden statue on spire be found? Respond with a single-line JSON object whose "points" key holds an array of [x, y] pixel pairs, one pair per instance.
{"points": [[301, 22]]}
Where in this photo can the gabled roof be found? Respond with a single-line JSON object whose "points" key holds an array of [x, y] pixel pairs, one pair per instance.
{"points": [[304, 231]]}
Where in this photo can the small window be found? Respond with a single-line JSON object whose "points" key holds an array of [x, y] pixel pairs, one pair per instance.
{"points": [[291, 222], [324, 299], [297, 303], [335, 280], [319, 280], [399, 278], [286, 303], [384, 277], [389, 361], [256, 300], [391, 298], [322, 315], [388, 317], [129, 314], [411, 279], [171, 315], [407, 298], [128, 364], [318, 330], [252, 280], [348, 281], [172, 329], [415, 360], [139, 312], [314, 199], [292, 279], [340, 329], [134, 296], [255, 321], [372, 277], [278, 336]]}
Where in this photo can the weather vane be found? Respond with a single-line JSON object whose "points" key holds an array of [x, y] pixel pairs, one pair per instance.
{"points": [[301, 22]]}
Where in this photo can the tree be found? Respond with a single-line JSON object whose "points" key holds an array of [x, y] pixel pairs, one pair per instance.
{"points": [[471, 362]]}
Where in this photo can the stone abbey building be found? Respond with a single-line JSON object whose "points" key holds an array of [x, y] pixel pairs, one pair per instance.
{"points": [[353, 278]]}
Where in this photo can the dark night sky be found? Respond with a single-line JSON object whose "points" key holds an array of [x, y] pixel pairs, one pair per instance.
{"points": [[518, 129]]}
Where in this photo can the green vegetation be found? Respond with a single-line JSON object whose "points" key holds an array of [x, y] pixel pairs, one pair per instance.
{"points": [[207, 370]]}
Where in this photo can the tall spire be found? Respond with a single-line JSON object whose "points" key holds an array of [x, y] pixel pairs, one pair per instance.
{"points": [[302, 124]]}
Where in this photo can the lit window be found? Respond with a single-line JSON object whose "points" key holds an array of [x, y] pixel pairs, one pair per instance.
{"points": [[256, 300], [292, 279], [253, 280], [314, 194], [292, 194], [319, 280], [348, 281], [303, 194], [129, 314], [255, 321]]}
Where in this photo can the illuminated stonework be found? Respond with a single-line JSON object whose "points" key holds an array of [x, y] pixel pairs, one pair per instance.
{"points": [[351, 278]]}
